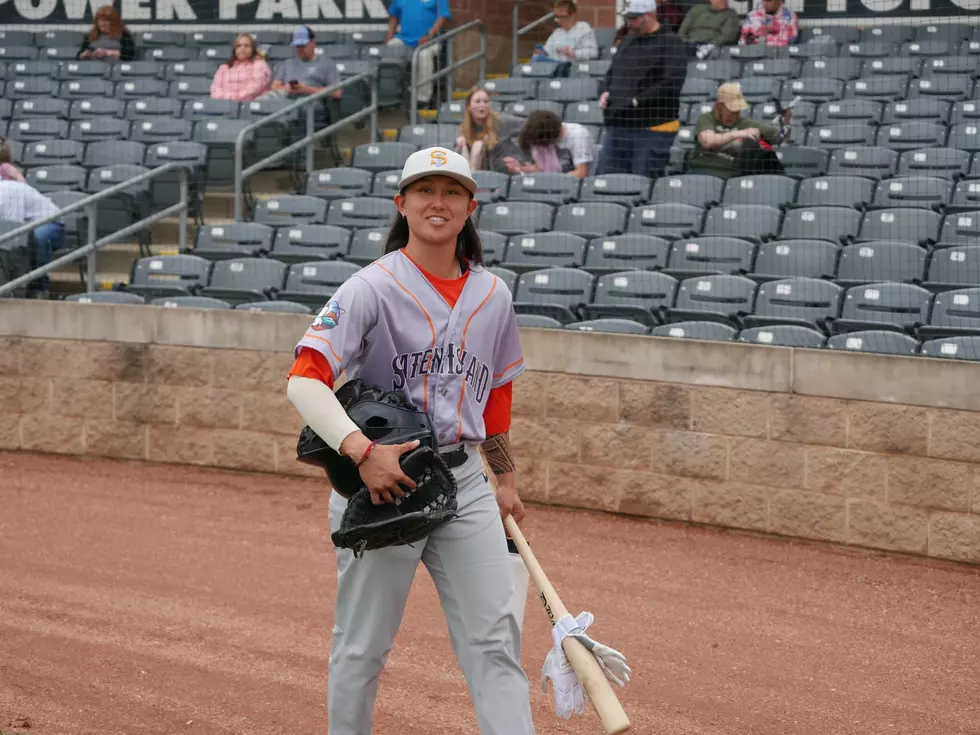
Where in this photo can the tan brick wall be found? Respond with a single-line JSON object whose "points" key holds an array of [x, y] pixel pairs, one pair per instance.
{"points": [[873, 474]]}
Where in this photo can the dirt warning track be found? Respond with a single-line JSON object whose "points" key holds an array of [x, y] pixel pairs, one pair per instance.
{"points": [[139, 598]]}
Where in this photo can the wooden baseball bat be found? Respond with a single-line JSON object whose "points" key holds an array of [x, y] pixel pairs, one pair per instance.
{"points": [[600, 693]]}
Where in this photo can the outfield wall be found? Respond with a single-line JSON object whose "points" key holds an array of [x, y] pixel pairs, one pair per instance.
{"points": [[867, 450]]}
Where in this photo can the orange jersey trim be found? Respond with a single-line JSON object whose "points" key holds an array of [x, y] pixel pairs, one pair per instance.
{"points": [[449, 288]]}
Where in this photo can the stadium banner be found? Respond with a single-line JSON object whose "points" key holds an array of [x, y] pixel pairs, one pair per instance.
{"points": [[193, 12]]}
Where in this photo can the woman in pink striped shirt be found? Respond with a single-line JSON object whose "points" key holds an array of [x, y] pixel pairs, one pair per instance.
{"points": [[245, 75]]}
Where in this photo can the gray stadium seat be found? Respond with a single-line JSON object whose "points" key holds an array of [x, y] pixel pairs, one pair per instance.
{"points": [[584, 112], [182, 70], [302, 242], [755, 89], [282, 307], [892, 34], [964, 347], [493, 185], [782, 259], [803, 161], [905, 136], [696, 89], [150, 39], [361, 212], [965, 198], [869, 161], [494, 246], [849, 110], [385, 183], [510, 89], [367, 245], [37, 107], [47, 179], [913, 191], [423, 136], [883, 342], [807, 302], [712, 298], [537, 321], [51, 153], [591, 219], [190, 88], [14, 52], [96, 107], [132, 89], [508, 277], [962, 228], [554, 292], [638, 295], [615, 326], [515, 218], [376, 157], [838, 135], [551, 188], [954, 312], [835, 191], [160, 276], [238, 280], [948, 87], [772, 190], [699, 330], [783, 335], [94, 129], [106, 297], [946, 162], [709, 254], [312, 284], [868, 49], [111, 152], [208, 109], [670, 220], [125, 207], [844, 68], [27, 87], [717, 70], [753, 222], [628, 189], [625, 252], [190, 302], [965, 137], [85, 88], [883, 305], [744, 53], [524, 108], [873, 262], [592, 68], [13, 37], [568, 90], [934, 110], [209, 38], [161, 130], [543, 250], [81, 70], [905, 224], [965, 112], [452, 112], [904, 66], [153, 107], [700, 190], [814, 89], [954, 267], [948, 32], [233, 240], [290, 209], [942, 65], [782, 68], [32, 129]]}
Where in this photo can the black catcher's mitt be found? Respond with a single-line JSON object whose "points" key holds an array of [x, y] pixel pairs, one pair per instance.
{"points": [[366, 526]]}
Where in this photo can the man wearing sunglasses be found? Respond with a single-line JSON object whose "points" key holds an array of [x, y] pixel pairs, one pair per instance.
{"points": [[641, 97]]}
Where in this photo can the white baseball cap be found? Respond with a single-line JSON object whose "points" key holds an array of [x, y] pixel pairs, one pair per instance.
{"points": [[639, 7], [437, 161]]}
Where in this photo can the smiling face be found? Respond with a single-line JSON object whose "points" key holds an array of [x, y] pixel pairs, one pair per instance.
{"points": [[479, 107], [436, 208]]}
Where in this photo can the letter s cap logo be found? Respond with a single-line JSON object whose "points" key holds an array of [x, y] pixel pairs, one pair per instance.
{"points": [[437, 159]]}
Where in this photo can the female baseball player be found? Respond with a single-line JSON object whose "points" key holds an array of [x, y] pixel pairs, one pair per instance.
{"points": [[426, 318]]}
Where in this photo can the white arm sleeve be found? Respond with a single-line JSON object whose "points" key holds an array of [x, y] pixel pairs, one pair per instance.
{"points": [[321, 410]]}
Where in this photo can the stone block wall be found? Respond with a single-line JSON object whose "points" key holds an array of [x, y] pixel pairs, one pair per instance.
{"points": [[866, 450]]}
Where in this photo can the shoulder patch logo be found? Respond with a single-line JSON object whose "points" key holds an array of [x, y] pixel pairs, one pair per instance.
{"points": [[329, 316]]}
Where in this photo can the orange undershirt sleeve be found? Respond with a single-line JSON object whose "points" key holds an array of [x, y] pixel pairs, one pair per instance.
{"points": [[496, 416], [311, 364]]}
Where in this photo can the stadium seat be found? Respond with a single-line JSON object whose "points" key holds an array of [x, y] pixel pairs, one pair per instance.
{"points": [[878, 341], [209, 109], [964, 112], [812, 89], [238, 280], [906, 224], [913, 191], [753, 222], [339, 183], [385, 183], [584, 112], [367, 245], [530, 252], [946, 162], [895, 306], [891, 34], [843, 68], [551, 188], [508, 277], [722, 298], [610, 325], [872, 162], [849, 110], [27, 87], [312, 284], [782, 259], [422, 136], [709, 254], [717, 70], [835, 191], [291, 209], [700, 190], [284, 307], [568, 90], [910, 135], [300, 243], [106, 297], [625, 252], [934, 110], [190, 302], [964, 136], [699, 330], [510, 89], [493, 186], [670, 220], [376, 157], [516, 218], [104, 107], [162, 276], [947, 87], [233, 240], [152, 108], [965, 347], [591, 219], [48, 179], [965, 198], [52, 153], [872, 49], [554, 292], [873, 262], [627, 189], [39, 107], [524, 108], [802, 161], [85, 88], [494, 246], [805, 302], [783, 335], [42, 128], [772, 190], [637, 295], [361, 212], [953, 313], [161, 130], [538, 321]]}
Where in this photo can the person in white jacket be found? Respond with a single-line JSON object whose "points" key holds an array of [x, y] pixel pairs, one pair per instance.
{"points": [[573, 40]]}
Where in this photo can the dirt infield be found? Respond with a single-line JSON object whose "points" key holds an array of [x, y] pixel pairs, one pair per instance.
{"points": [[149, 599]]}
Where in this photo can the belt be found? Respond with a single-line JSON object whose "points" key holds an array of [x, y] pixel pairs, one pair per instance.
{"points": [[454, 455]]}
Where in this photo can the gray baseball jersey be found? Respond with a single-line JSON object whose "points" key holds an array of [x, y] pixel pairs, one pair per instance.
{"points": [[389, 326]]}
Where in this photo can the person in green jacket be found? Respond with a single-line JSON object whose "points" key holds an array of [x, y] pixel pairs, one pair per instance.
{"points": [[712, 23]]}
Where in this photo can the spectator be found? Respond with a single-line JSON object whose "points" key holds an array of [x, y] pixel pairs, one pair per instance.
{"points": [[417, 23], [482, 129], [771, 23], [8, 171], [245, 75], [725, 141], [108, 40], [711, 23], [641, 97], [548, 145], [305, 73], [573, 40], [22, 203]]}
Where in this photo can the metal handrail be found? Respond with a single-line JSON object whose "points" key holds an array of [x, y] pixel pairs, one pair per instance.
{"points": [[518, 32], [448, 36], [89, 204], [311, 135]]}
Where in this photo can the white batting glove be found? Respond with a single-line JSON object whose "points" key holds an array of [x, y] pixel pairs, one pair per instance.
{"points": [[569, 694], [611, 662]]}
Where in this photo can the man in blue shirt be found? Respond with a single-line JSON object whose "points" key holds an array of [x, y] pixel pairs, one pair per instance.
{"points": [[417, 22]]}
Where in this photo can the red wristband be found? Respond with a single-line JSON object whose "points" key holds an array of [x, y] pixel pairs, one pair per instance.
{"points": [[366, 453]]}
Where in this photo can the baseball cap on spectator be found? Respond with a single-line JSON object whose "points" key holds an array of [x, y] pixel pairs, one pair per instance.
{"points": [[437, 161], [636, 8], [730, 95], [302, 36]]}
